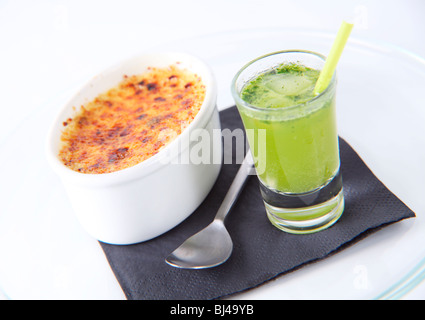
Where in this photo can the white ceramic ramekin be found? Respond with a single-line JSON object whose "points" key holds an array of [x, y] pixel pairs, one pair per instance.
{"points": [[144, 201]]}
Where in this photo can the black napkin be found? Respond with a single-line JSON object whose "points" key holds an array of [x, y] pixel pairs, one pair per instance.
{"points": [[261, 251]]}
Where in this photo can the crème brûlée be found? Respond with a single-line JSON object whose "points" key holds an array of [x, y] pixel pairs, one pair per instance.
{"points": [[132, 121]]}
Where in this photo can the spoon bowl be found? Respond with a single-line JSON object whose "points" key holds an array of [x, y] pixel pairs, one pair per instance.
{"points": [[208, 248]]}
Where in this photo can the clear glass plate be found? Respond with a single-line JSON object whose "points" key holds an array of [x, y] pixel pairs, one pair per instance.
{"points": [[381, 112]]}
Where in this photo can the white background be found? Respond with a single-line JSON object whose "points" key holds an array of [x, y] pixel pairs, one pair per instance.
{"points": [[47, 47]]}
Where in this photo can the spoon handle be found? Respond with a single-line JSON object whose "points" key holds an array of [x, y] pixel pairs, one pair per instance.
{"points": [[244, 171]]}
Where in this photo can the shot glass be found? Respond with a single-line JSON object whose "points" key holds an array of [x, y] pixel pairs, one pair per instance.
{"points": [[297, 159]]}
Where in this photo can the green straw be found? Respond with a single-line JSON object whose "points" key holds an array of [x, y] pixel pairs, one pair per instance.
{"points": [[333, 57]]}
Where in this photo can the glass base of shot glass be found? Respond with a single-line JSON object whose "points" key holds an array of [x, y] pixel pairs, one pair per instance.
{"points": [[305, 213]]}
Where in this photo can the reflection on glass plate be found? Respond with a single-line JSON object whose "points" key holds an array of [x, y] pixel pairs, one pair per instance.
{"points": [[45, 253]]}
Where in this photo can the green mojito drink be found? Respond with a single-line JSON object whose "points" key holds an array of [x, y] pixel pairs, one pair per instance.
{"points": [[301, 151], [297, 159]]}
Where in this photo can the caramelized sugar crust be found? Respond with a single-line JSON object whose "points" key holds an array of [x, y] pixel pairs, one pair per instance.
{"points": [[132, 121]]}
